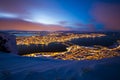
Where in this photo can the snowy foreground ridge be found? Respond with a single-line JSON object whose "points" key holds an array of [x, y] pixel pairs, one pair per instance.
{"points": [[13, 67]]}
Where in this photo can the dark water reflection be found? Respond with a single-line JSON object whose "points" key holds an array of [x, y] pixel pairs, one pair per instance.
{"points": [[52, 47]]}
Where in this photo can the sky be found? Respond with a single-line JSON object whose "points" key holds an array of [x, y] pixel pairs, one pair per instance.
{"points": [[57, 15]]}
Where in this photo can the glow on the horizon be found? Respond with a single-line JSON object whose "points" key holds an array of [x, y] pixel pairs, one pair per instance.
{"points": [[39, 17], [43, 21]]}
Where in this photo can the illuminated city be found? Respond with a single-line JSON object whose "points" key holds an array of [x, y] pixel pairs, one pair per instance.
{"points": [[73, 51], [53, 37]]}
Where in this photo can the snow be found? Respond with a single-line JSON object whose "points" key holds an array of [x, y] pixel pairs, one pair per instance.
{"points": [[14, 67], [10, 42]]}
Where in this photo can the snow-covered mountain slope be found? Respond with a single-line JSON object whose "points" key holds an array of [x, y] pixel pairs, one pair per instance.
{"points": [[8, 43], [13, 67]]}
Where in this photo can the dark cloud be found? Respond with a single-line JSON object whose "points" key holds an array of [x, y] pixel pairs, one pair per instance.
{"points": [[79, 24], [63, 22], [20, 7], [107, 14], [17, 24], [85, 27], [13, 6]]}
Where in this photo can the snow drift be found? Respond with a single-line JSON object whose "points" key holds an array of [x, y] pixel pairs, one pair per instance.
{"points": [[8, 43]]}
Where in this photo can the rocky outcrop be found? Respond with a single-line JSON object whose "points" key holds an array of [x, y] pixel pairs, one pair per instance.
{"points": [[8, 43]]}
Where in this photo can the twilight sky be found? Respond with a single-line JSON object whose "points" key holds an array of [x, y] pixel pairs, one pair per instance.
{"points": [[54, 15]]}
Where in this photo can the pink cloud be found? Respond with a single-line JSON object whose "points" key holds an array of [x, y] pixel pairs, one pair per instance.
{"points": [[107, 14], [16, 24]]}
